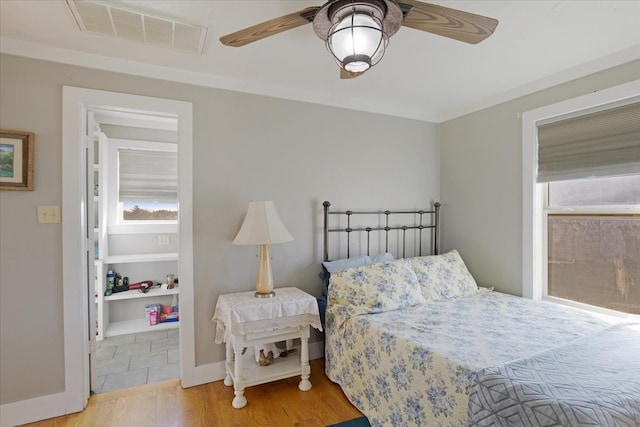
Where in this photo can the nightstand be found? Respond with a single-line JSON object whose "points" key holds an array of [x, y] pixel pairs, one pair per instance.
{"points": [[243, 321]]}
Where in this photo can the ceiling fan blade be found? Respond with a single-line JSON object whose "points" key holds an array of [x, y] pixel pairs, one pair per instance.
{"points": [[270, 27], [452, 23], [344, 74]]}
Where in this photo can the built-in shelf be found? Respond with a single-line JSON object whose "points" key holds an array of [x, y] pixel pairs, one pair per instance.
{"points": [[137, 294], [107, 328], [123, 259], [136, 325]]}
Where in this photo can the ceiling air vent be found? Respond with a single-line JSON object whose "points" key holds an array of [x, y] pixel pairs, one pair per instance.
{"points": [[115, 20]]}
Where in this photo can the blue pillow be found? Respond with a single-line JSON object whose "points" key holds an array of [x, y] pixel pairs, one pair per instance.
{"points": [[343, 264], [381, 258]]}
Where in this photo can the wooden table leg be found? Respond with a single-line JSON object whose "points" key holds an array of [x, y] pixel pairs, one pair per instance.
{"points": [[305, 384]]}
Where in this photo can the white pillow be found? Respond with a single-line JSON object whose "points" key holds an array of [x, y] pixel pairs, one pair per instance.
{"points": [[384, 286], [330, 267], [443, 276]]}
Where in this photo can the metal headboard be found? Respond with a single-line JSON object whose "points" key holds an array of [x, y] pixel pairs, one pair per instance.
{"points": [[418, 224]]}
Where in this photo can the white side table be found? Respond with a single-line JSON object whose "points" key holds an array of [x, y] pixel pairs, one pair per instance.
{"points": [[242, 321]]}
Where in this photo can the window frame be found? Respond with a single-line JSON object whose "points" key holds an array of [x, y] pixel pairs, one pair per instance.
{"points": [[114, 223], [534, 195]]}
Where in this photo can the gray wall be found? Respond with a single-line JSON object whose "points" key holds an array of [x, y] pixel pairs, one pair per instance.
{"points": [[481, 179], [245, 148]]}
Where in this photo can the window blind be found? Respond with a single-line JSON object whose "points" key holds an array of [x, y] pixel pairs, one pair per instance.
{"points": [[604, 143], [150, 176]]}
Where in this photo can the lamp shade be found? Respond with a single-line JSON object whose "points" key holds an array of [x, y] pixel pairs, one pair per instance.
{"points": [[262, 226]]}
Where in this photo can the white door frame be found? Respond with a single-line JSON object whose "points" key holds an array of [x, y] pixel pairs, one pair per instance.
{"points": [[76, 103]]}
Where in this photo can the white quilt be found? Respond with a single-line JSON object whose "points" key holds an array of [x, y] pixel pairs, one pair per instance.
{"points": [[591, 381]]}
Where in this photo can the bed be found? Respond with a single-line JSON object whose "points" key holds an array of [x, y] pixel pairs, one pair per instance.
{"points": [[413, 341]]}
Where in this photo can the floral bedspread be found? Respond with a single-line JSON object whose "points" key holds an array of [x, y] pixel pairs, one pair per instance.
{"points": [[415, 366]]}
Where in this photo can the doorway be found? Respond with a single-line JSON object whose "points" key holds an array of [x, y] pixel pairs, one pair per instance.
{"points": [[80, 107], [134, 167]]}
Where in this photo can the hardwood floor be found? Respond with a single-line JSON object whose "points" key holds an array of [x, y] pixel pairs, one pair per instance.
{"points": [[166, 404]]}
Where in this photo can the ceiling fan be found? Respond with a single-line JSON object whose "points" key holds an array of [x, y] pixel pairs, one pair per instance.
{"points": [[357, 32]]}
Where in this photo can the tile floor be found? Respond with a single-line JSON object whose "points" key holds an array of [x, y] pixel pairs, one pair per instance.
{"points": [[136, 359]]}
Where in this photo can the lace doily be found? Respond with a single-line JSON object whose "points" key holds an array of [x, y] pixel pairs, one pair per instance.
{"points": [[243, 313]]}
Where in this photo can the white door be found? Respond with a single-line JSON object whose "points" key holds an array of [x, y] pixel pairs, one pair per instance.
{"points": [[92, 225]]}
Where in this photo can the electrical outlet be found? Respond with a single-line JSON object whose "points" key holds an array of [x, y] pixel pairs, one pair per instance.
{"points": [[163, 239], [48, 214]]}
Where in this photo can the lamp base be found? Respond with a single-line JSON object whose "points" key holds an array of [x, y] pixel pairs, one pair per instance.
{"points": [[269, 295]]}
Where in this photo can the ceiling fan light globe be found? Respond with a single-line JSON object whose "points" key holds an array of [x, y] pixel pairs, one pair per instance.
{"points": [[358, 36], [355, 34]]}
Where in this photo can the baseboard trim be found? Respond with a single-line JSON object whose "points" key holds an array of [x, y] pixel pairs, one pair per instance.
{"points": [[32, 410]]}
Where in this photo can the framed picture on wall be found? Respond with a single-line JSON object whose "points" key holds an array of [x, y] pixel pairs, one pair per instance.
{"points": [[16, 160]]}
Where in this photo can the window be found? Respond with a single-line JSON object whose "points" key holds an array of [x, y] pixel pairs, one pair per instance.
{"points": [[593, 251], [147, 185], [581, 212], [142, 186]]}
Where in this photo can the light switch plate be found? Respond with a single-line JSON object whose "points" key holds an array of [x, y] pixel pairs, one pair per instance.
{"points": [[163, 239], [48, 214]]}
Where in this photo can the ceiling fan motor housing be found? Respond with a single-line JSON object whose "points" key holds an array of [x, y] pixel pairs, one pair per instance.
{"points": [[357, 32]]}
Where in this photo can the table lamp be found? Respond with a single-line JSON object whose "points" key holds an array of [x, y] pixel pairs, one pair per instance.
{"points": [[262, 226]]}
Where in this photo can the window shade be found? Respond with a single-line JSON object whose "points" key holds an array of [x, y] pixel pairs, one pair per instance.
{"points": [[150, 176], [604, 143]]}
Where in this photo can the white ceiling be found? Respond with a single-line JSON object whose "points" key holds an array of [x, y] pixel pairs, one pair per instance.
{"points": [[422, 76]]}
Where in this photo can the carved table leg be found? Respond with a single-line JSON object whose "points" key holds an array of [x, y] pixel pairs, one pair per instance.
{"points": [[305, 384], [239, 401], [227, 365]]}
